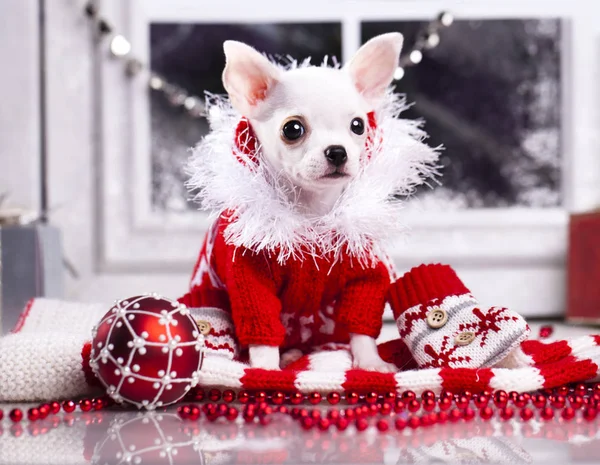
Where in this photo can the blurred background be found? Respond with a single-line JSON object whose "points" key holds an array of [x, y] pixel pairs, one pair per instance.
{"points": [[102, 100]]}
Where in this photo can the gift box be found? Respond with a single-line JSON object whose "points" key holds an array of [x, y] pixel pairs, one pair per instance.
{"points": [[583, 268], [31, 265]]}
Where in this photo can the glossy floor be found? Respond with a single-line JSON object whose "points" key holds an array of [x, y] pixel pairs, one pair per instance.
{"points": [[145, 438], [131, 437]]}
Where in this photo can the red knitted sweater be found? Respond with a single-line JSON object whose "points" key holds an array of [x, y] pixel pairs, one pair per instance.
{"points": [[298, 304]]}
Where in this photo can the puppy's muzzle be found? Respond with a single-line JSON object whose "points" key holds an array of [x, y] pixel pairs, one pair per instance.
{"points": [[336, 155]]}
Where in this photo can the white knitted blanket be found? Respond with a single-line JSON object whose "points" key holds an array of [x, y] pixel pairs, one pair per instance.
{"points": [[41, 359]]}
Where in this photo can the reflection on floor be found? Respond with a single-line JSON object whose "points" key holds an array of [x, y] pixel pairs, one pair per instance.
{"points": [[131, 437]]}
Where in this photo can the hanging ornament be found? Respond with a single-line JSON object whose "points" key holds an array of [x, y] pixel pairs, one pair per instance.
{"points": [[446, 18], [428, 38], [416, 56], [399, 73], [148, 351], [120, 47], [432, 40]]}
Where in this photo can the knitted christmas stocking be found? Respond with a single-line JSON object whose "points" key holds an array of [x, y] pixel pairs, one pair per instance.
{"points": [[443, 325]]}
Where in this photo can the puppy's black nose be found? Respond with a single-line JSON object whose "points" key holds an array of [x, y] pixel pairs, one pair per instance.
{"points": [[336, 154]]}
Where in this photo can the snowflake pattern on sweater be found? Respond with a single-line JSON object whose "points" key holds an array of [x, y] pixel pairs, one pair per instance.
{"points": [[301, 304]]}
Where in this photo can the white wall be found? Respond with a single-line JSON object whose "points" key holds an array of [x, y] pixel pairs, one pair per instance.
{"points": [[20, 102]]}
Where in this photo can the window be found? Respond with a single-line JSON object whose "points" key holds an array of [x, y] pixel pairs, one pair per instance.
{"points": [[490, 93]]}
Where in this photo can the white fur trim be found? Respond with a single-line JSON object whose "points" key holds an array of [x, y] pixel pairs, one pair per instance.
{"points": [[367, 214]]}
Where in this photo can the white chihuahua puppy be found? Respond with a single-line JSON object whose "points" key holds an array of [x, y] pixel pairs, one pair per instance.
{"points": [[312, 126]]}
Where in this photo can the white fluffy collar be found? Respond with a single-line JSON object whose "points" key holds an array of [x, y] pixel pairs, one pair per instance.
{"points": [[364, 218]]}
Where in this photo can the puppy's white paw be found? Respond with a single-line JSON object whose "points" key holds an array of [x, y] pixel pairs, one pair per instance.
{"points": [[375, 365], [266, 357], [365, 355]]}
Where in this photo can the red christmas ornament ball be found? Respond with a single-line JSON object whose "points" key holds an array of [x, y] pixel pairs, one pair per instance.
{"points": [[147, 350]]}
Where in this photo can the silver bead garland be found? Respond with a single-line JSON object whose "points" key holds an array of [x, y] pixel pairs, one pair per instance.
{"points": [[427, 39], [120, 48]]}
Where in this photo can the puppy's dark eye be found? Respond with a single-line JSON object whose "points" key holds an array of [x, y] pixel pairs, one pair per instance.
{"points": [[357, 126], [292, 130]]}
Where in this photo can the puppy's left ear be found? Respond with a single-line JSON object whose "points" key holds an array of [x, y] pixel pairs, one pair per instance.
{"points": [[248, 77], [372, 66]]}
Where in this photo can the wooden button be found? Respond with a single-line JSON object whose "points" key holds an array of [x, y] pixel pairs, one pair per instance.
{"points": [[437, 318], [204, 327], [464, 338]]}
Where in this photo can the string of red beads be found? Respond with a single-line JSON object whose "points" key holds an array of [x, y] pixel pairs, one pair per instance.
{"points": [[407, 409], [404, 410], [44, 410]]}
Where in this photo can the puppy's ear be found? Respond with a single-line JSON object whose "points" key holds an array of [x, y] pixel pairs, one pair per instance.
{"points": [[248, 77], [372, 66]]}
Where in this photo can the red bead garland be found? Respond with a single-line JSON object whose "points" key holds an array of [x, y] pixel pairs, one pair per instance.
{"points": [[33, 414], [547, 413], [68, 406], [382, 426], [296, 398], [16, 415], [568, 413], [526, 414], [378, 410], [486, 413], [362, 424], [333, 398], [434, 409], [371, 397], [278, 398], [352, 398], [228, 396], [214, 395], [400, 423], [85, 405], [314, 398], [468, 414], [590, 414], [539, 401], [507, 413], [546, 332], [414, 405], [55, 407]]}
